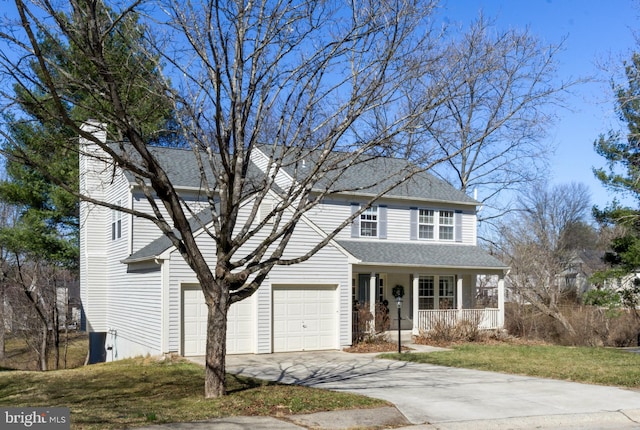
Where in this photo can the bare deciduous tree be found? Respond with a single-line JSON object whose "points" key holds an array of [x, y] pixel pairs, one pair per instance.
{"points": [[33, 300], [8, 215], [499, 86], [309, 78], [535, 247]]}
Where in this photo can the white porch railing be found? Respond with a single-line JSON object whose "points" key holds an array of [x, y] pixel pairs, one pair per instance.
{"points": [[486, 319]]}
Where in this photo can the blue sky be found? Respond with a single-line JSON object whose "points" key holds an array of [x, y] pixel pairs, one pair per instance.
{"points": [[597, 32]]}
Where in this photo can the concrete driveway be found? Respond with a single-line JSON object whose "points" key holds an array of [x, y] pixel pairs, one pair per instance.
{"points": [[432, 394]]}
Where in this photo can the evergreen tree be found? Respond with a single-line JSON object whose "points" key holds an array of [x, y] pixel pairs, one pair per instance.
{"points": [[622, 175], [48, 225], [41, 161]]}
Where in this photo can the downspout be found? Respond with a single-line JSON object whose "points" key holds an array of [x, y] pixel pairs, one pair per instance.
{"points": [[131, 200]]}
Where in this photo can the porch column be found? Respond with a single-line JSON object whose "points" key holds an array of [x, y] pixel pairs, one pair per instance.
{"points": [[416, 304], [459, 292], [373, 294], [501, 301]]}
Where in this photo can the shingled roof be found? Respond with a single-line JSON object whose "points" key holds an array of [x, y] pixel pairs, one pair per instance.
{"points": [[422, 254], [180, 165]]}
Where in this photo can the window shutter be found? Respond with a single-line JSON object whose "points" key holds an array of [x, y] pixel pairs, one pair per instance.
{"points": [[413, 223], [382, 222], [458, 225], [355, 224]]}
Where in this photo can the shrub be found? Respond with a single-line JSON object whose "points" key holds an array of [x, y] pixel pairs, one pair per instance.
{"points": [[593, 325], [446, 332], [366, 326], [362, 318], [602, 297]]}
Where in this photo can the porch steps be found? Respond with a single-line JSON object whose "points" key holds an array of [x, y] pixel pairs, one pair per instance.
{"points": [[405, 336]]}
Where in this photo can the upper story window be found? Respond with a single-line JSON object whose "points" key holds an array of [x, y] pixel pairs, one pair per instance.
{"points": [[425, 224], [435, 224], [116, 223], [369, 222], [445, 221]]}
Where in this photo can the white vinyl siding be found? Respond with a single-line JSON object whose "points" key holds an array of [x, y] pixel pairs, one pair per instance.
{"points": [[316, 268], [145, 231], [330, 213], [135, 310]]}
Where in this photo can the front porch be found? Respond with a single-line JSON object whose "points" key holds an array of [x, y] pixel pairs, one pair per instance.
{"points": [[484, 319], [428, 300]]}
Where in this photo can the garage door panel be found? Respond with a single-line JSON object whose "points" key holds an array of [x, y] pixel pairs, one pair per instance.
{"points": [[305, 318], [194, 327]]}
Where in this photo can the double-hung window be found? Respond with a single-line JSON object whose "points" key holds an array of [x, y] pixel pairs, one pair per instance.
{"points": [[426, 292], [116, 223], [445, 221], [436, 292], [369, 222], [434, 224], [426, 223]]}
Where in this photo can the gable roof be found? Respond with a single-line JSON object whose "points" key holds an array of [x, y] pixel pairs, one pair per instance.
{"points": [[422, 254], [356, 174], [420, 186], [163, 243], [180, 165]]}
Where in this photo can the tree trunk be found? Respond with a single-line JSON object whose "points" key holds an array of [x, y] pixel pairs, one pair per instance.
{"points": [[215, 370], [44, 343], [2, 323], [66, 345], [56, 338]]}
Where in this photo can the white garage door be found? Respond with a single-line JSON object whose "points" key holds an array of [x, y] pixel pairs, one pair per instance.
{"points": [[194, 327], [305, 318]]}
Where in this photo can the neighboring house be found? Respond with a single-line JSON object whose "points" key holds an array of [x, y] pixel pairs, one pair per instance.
{"points": [[140, 297], [69, 306], [582, 265]]}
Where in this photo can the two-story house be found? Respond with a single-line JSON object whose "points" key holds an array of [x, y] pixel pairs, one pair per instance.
{"points": [[140, 297]]}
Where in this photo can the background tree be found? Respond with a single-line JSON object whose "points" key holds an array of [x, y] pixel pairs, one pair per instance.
{"points": [[536, 246], [8, 216], [621, 150], [499, 86], [39, 157], [312, 77]]}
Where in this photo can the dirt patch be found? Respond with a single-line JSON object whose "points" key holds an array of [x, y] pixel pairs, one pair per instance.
{"points": [[369, 347]]}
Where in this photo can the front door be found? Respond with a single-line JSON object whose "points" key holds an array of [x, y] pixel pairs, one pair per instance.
{"points": [[364, 288]]}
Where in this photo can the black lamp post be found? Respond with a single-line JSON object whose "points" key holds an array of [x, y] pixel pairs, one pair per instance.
{"points": [[399, 301], [398, 292]]}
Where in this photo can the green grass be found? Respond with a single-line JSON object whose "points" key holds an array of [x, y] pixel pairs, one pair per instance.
{"points": [[138, 392], [601, 366]]}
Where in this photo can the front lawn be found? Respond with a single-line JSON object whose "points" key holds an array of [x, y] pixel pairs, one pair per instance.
{"points": [[136, 392], [604, 366]]}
